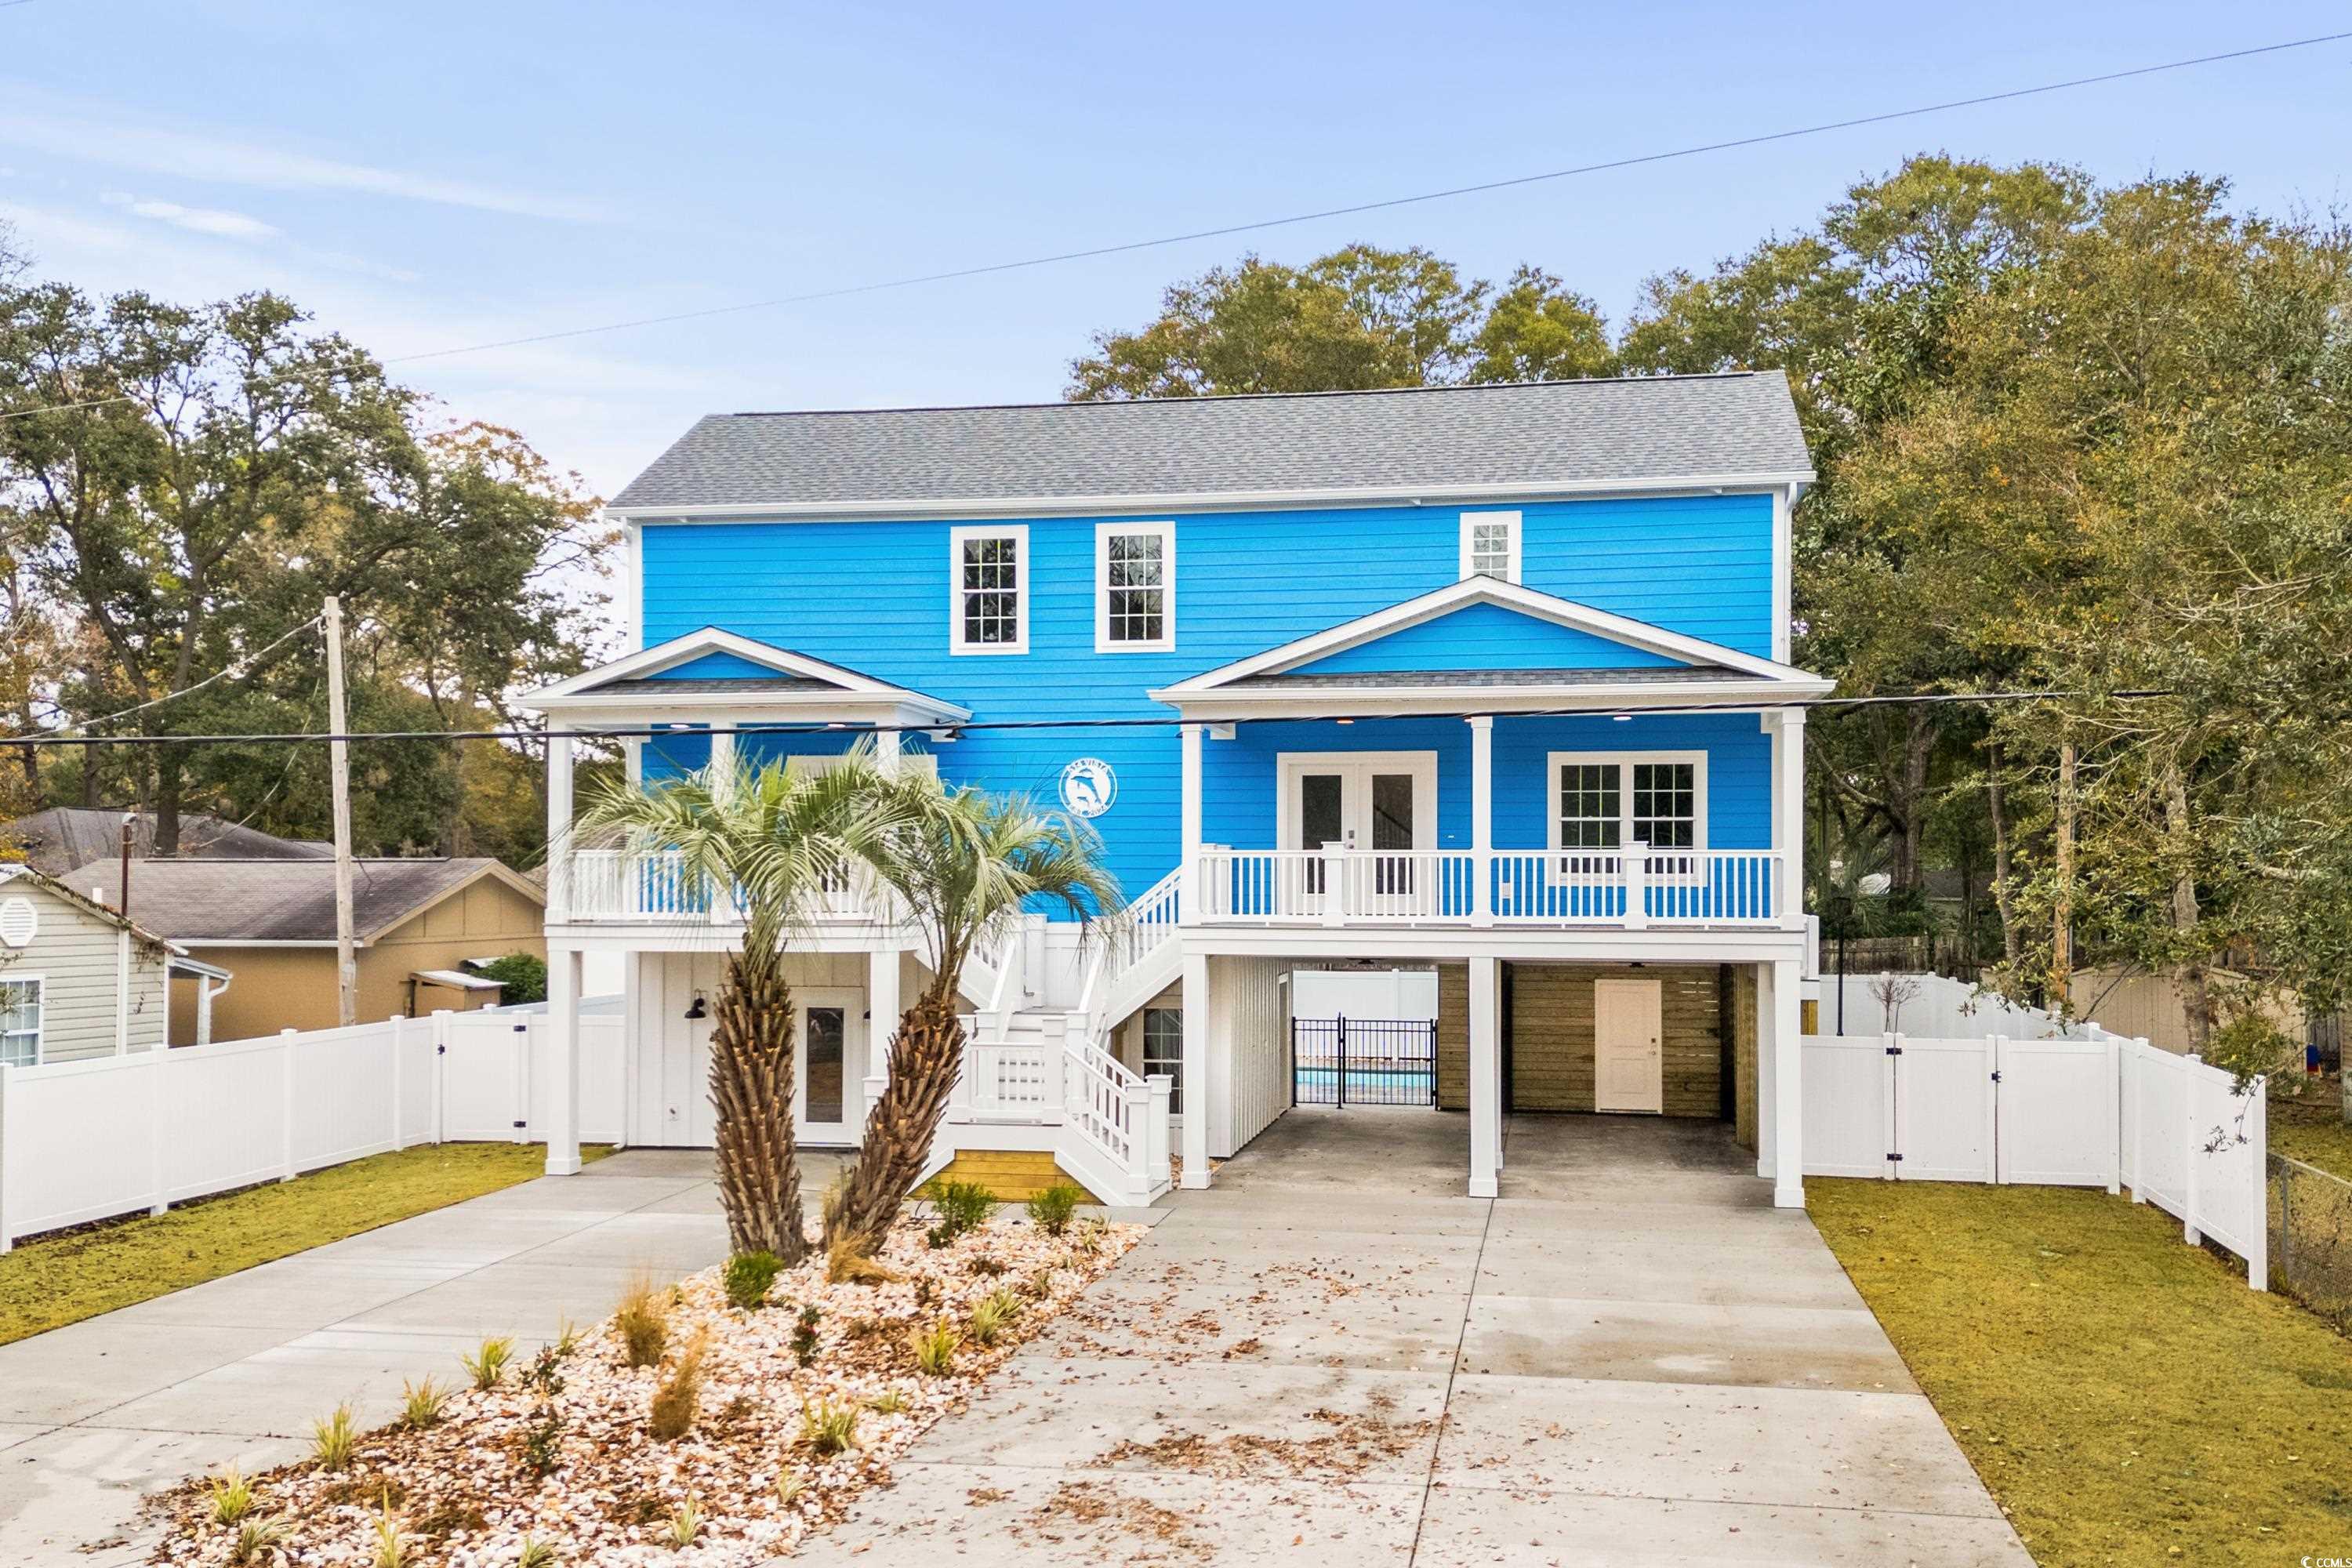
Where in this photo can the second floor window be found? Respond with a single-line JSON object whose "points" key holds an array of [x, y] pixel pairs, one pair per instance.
{"points": [[1490, 544], [990, 607], [1135, 586], [1606, 803]]}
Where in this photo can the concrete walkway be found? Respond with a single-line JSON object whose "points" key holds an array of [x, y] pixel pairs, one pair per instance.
{"points": [[1331, 1357], [235, 1371]]}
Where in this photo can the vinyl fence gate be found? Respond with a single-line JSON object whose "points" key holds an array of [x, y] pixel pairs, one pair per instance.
{"points": [[1363, 1061]]}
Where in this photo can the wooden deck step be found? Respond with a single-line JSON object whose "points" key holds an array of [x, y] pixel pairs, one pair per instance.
{"points": [[1015, 1176]]}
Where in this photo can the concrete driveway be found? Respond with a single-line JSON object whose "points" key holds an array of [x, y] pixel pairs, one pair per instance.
{"points": [[93, 1414], [1330, 1357]]}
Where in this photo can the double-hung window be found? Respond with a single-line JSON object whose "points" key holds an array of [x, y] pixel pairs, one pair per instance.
{"points": [[1490, 545], [987, 589], [1135, 587], [1605, 803], [20, 1023], [1163, 1051]]}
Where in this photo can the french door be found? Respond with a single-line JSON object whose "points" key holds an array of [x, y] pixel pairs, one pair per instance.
{"points": [[1382, 806]]}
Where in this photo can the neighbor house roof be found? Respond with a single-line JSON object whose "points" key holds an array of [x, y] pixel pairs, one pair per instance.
{"points": [[56, 840], [1515, 439], [99, 908], [225, 902]]}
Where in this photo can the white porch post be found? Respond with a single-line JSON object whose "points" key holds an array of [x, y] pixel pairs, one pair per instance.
{"points": [[1788, 815], [1188, 891], [886, 750], [882, 1010], [1482, 819], [1196, 1054], [559, 825], [563, 1019], [1486, 1075], [1787, 1087]]}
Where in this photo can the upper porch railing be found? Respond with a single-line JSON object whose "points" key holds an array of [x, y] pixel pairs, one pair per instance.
{"points": [[1505, 887], [657, 887]]}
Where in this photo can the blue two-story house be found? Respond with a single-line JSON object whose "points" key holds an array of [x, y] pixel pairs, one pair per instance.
{"points": [[1491, 682]]}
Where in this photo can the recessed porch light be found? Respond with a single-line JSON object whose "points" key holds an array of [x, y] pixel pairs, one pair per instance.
{"points": [[1622, 718]]}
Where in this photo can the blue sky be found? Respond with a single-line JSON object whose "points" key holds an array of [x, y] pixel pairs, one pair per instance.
{"points": [[427, 175]]}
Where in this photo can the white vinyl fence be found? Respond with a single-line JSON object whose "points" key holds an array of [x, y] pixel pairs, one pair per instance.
{"points": [[1936, 1006], [90, 1140], [2103, 1112]]}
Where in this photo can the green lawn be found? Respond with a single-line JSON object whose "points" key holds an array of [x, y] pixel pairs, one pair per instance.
{"points": [[48, 1283], [2124, 1396], [2311, 1128]]}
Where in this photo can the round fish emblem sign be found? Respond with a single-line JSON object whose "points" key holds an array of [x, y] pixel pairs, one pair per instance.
{"points": [[1088, 787]]}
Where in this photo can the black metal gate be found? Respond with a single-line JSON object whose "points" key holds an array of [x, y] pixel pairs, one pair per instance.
{"points": [[1363, 1061]]}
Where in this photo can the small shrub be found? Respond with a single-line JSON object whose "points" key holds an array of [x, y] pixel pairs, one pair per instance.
{"points": [[678, 1395], [850, 1260], [391, 1540], [488, 1365], [890, 1401], [804, 1335], [643, 1321], [333, 1440], [1092, 1236], [544, 1376], [935, 1348], [568, 1335], [987, 1268], [535, 1553], [962, 1206], [1052, 1210], [829, 1428], [748, 1274], [255, 1539], [231, 1496], [1039, 1284], [938, 1236], [542, 1443], [789, 1488], [685, 1526], [421, 1404], [992, 1316]]}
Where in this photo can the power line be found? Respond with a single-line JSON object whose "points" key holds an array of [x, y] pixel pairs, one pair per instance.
{"points": [[686, 732], [1262, 225], [235, 667]]}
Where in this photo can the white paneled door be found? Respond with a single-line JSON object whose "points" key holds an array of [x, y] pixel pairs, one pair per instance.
{"points": [[1628, 1045], [829, 1040]]}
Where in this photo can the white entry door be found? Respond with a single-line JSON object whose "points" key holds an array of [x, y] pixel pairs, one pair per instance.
{"points": [[1629, 1061], [829, 1065], [1384, 802]]}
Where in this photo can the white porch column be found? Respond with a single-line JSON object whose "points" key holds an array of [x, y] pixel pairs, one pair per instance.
{"points": [[1196, 1049], [558, 824], [722, 752], [886, 750], [564, 1021], [1486, 1075], [882, 1010], [1767, 1107], [1787, 1087], [1188, 891], [1788, 815], [1482, 819]]}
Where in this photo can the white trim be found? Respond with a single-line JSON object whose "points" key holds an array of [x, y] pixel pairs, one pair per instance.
{"points": [[1784, 501], [41, 1029], [1289, 765], [1019, 534], [1470, 521], [1624, 762], [633, 585], [1728, 696], [920, 509], [1459, 596], [196, 941], [1165, 531], [851, 688]]}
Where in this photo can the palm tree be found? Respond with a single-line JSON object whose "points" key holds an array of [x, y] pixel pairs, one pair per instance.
{"points": [[777, 836], [963, 865]]}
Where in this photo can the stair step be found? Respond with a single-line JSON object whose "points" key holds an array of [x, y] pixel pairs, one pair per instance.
{"points": [[1014, 1175]]}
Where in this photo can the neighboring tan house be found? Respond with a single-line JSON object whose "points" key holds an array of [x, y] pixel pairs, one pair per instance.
{"points": [[416, 922], [62, 839], [77, 980]]}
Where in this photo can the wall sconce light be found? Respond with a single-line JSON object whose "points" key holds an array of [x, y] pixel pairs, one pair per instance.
{"points": [[698, 1010], [1622, 718], [1347, 721]]}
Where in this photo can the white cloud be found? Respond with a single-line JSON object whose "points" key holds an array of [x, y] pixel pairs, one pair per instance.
{"points": [[60, 129], [196, 220]]}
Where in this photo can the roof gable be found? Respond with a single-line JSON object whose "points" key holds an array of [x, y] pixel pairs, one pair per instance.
{"points": [[1484, 636], [720, 667]]}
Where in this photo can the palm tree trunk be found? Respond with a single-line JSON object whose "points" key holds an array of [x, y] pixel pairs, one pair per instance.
{"points": [[925, 1058], [752, 1089]]}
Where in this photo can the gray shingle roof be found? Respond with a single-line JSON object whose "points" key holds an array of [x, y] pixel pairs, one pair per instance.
{"points": [[274, 900], [56, 840], [1563, 433]]}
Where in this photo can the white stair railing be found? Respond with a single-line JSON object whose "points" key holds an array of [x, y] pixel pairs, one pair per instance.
{"points": [[1118, 1116], [1150, 924]]}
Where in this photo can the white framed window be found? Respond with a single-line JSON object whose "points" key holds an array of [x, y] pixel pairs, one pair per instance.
{"points": [[1135, 587], [1163, 1051], [1490, 545], [988, 588], [1604, 802], [20, 1021]]}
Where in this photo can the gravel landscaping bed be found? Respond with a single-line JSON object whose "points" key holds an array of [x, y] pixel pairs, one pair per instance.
{"points": [[789, 1410]]}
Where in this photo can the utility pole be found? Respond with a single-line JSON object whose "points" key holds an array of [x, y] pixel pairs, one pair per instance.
{"points": [[339, 765]]}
